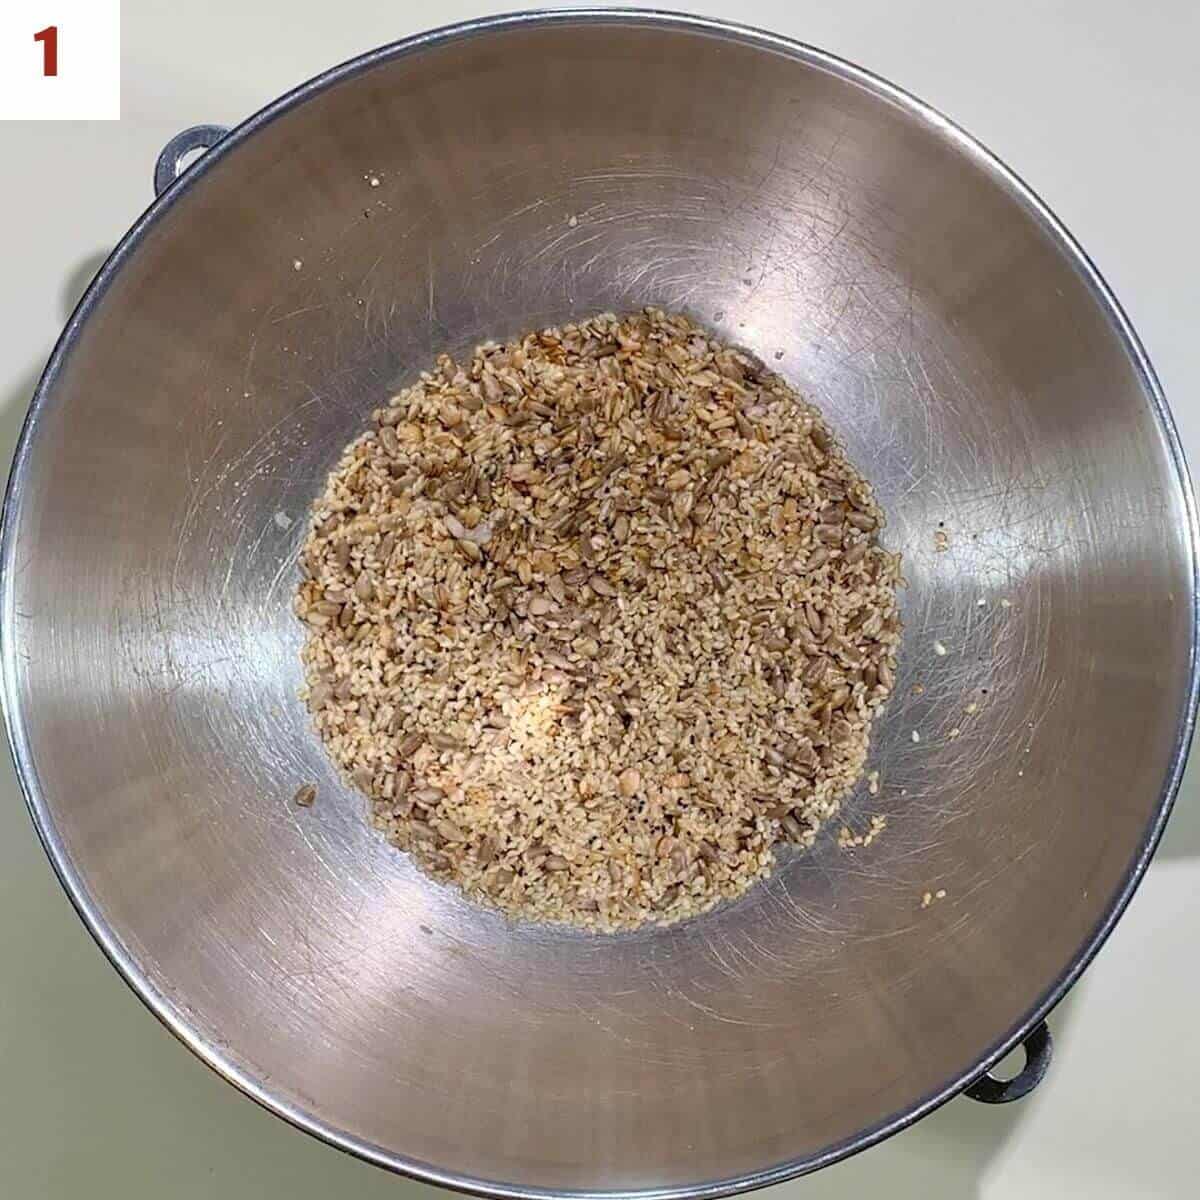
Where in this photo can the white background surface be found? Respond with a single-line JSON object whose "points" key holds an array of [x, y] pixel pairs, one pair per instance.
{"points": [[1097, 104]]}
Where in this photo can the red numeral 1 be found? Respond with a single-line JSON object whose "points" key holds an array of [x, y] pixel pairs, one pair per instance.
{"points": [[49, 39]]}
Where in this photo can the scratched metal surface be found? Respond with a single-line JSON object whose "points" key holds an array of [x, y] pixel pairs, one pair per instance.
{"points": [[889, 270]]}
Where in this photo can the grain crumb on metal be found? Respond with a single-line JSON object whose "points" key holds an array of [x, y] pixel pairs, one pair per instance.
{"points": [[941, 541], [849, 840], [873, 783], [305, 795], [940, 650], [297, 264], [597, 619], [930, 897]]}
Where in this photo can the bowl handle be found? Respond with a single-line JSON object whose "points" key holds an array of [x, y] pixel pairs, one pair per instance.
{"points": [[170, 164], [1038, 1048]]}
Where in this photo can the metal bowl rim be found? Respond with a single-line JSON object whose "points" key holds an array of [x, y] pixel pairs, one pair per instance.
{"points": [[172, 1015]]}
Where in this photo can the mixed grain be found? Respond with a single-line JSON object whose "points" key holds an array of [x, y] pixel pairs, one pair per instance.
{"points": [[597, 619]]}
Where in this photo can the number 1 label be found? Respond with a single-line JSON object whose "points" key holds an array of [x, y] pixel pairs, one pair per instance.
{"points": [[60, 60], [49, 39]]}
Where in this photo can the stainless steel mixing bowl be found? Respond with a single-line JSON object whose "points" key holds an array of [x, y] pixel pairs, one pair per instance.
{"points": [[531, 168]]}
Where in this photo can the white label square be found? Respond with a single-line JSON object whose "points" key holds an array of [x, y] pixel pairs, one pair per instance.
{"points": [[60, 60]]}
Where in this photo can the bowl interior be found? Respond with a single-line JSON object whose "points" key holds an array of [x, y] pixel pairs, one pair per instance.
{"points": [[472, 187]]}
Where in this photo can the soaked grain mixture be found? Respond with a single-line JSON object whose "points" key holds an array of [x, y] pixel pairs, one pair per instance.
{"points": [[597, 619]]}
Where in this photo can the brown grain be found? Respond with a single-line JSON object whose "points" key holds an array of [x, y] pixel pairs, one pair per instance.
{"points": [[597, 619]]}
